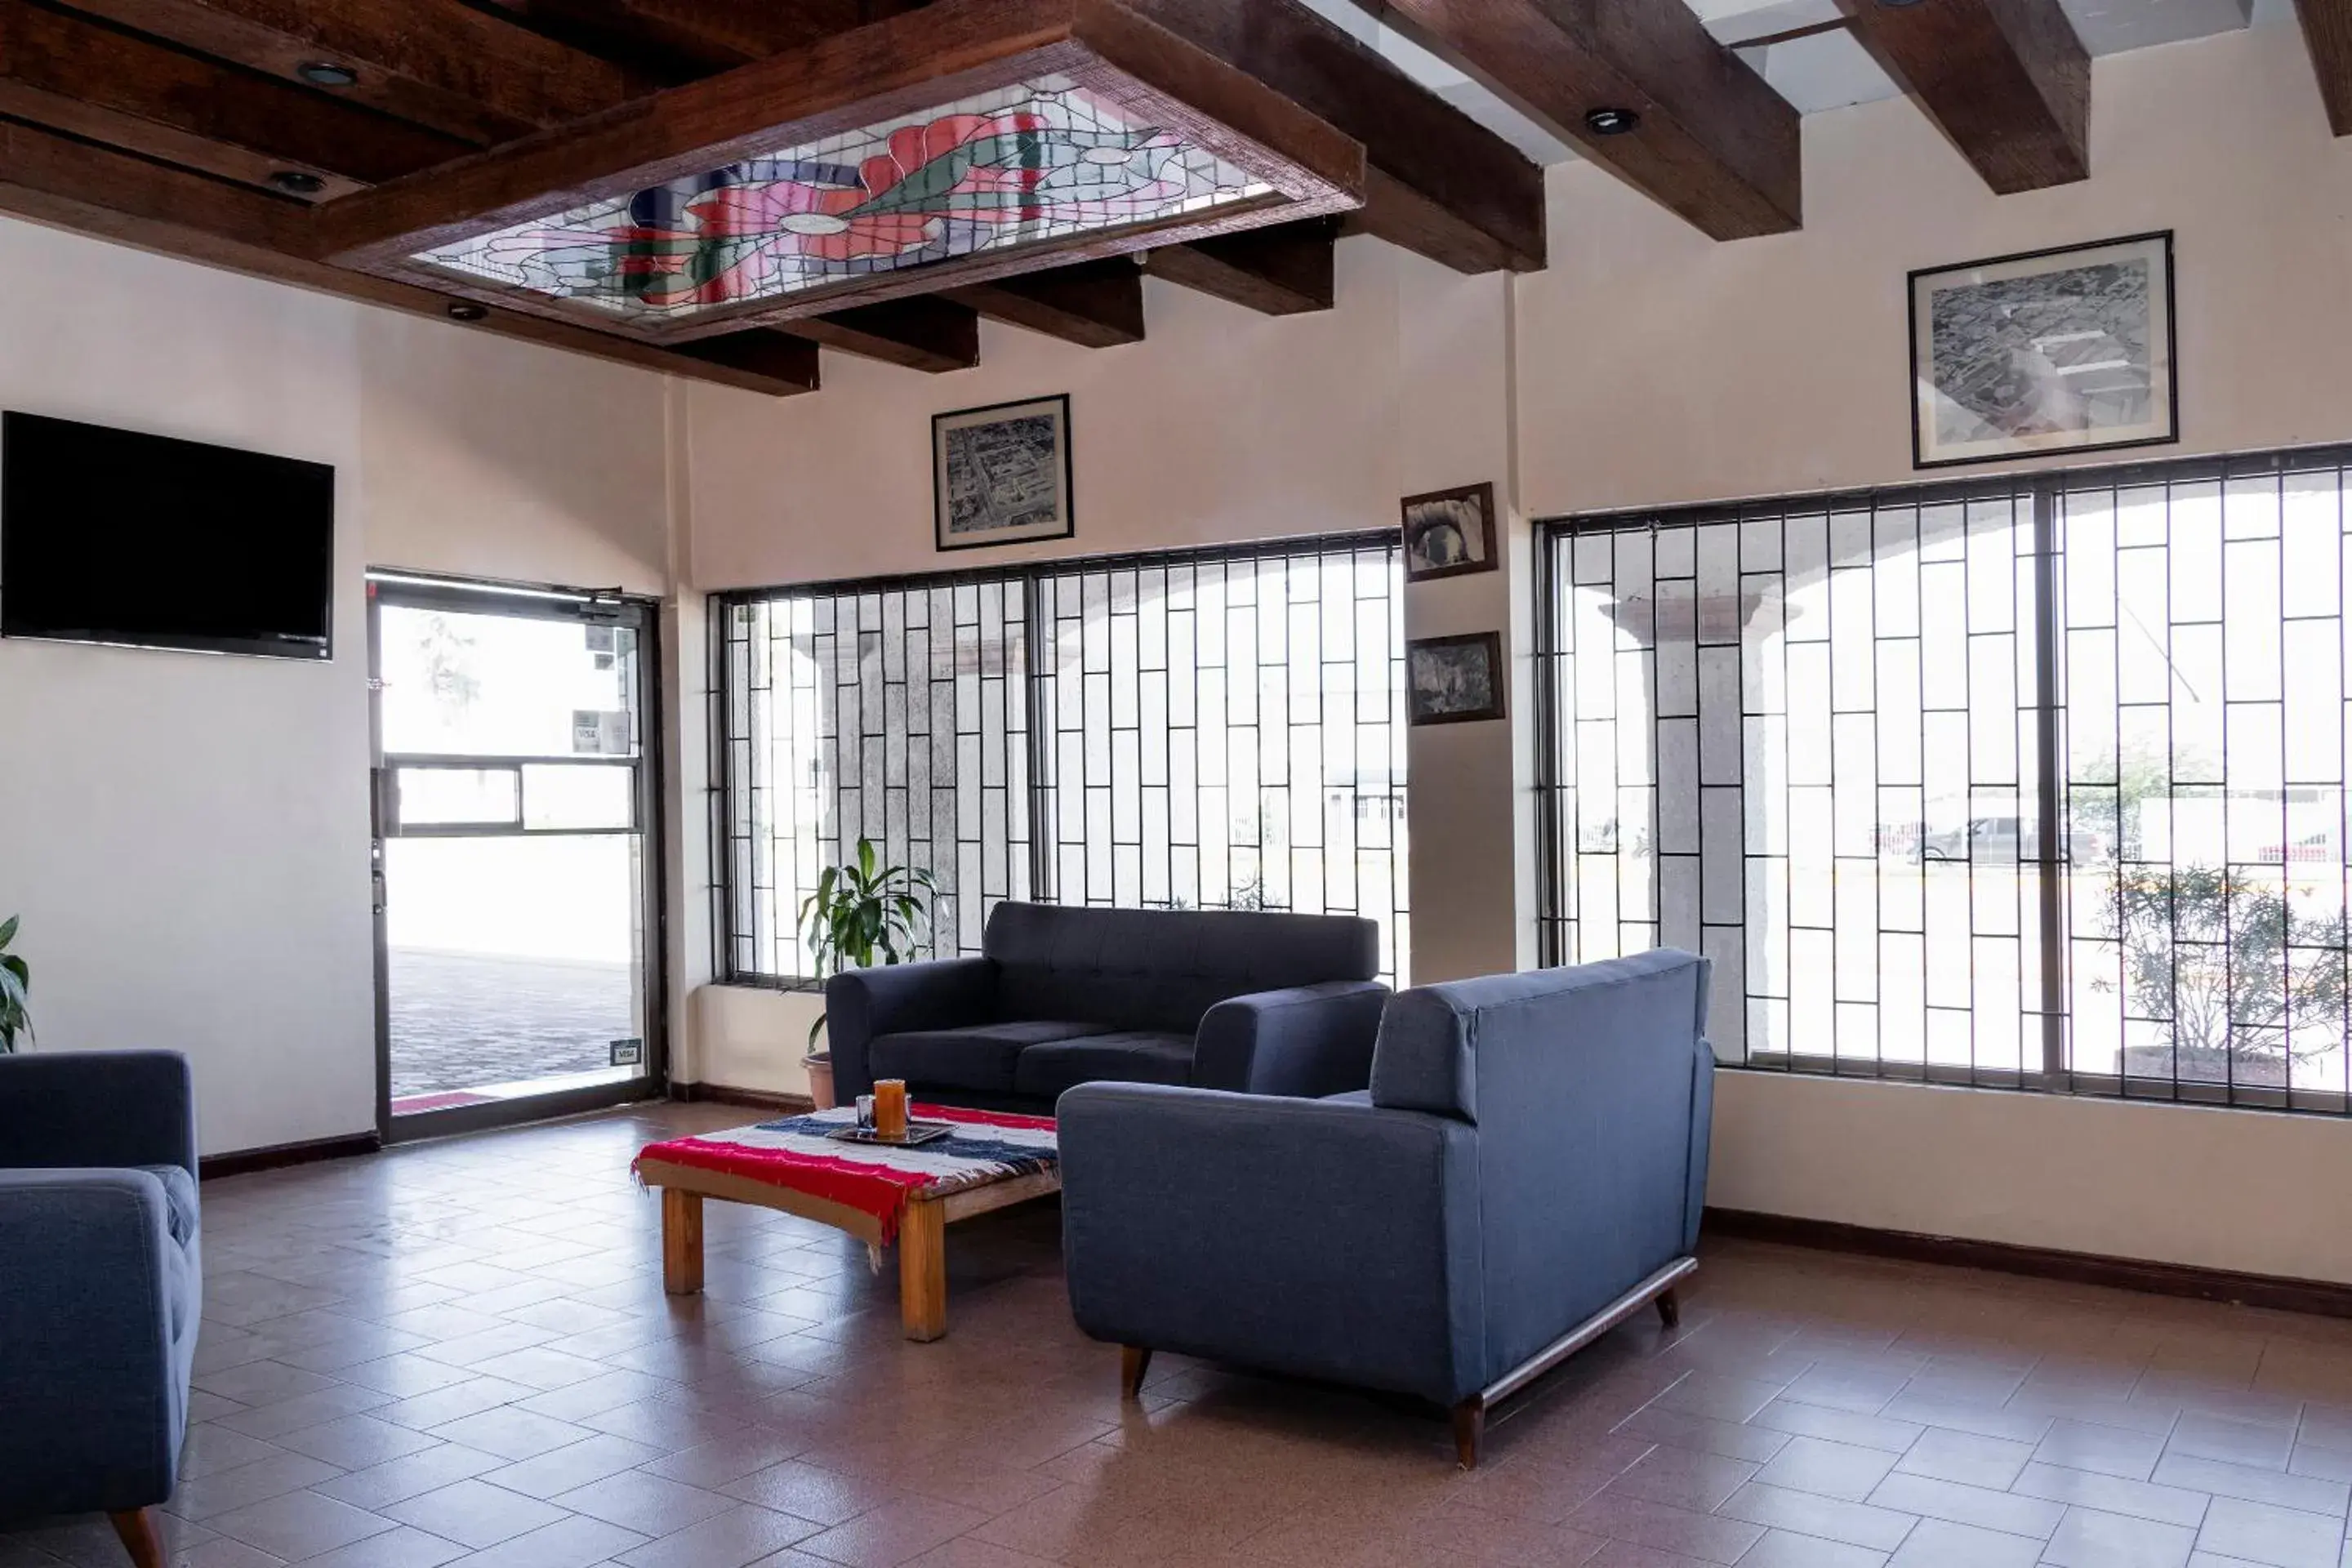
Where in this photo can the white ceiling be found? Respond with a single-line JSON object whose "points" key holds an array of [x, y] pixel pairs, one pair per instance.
{"points": [[1828, 70]]}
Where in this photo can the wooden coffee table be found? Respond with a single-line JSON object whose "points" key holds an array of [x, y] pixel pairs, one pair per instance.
{"points": [[774, 1166]]}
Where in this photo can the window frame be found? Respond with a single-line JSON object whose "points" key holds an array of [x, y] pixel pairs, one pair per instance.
{"points": [[2043, 488], [726, 787]]}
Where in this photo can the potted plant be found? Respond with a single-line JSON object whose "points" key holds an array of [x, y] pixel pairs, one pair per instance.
{"points": [[861, 914], [16, 983]]}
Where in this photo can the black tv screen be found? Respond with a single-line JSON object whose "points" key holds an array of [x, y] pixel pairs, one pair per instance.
{"points": [[115, 537]]}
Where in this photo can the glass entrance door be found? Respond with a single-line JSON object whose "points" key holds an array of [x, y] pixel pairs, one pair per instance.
{"points": [[515, 878]]}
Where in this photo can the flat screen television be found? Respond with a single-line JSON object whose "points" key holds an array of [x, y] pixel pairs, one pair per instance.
{"points": [[110, 536]]}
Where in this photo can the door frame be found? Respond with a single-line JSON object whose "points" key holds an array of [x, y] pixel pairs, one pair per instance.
{"points": [[416, 590]]}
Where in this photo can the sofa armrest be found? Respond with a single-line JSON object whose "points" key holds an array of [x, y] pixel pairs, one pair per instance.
{"points": [[860, 1003], [97, 1109], [96, 1406], [1308, 1041], [1321, 1237], [1701, 1136]]}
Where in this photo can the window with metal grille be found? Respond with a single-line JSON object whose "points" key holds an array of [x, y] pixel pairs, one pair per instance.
{"points": [[1209, 728], [2035, 782]]}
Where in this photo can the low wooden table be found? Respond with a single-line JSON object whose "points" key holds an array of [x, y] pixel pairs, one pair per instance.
{"points": [[922, 1224]]}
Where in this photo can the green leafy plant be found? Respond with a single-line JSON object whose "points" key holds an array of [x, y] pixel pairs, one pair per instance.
{"points": [[15, 986], [863, 914]]}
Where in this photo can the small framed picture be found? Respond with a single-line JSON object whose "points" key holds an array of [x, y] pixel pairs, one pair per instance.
{"points": [[2055, 350], [1449, 534], [1453, 680], [1000, 475]]}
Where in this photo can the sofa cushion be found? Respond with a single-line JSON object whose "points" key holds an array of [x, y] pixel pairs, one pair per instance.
{"points": [[1157, 970], [978, 1057], [179, 1200], [1137, 1057]]}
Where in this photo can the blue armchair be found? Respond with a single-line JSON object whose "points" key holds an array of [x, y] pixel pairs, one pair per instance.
{"points": [[101, 1285], [1256, 1003], [1526, 1171]]}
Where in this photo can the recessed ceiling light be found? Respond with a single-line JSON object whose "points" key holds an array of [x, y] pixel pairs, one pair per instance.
{"points": [[294, 182], [326, 73], [1612, 122], [466, 311]]}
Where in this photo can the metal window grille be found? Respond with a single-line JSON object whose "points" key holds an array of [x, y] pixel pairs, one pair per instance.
{"points": [[2035, 782], [1215, 728]]}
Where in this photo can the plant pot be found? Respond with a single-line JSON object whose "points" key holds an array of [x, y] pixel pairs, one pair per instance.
{"points": [[820, 1076]]}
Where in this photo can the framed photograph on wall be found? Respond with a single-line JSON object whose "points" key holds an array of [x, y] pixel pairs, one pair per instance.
{"points": [[1453, 680], [1000, 475], [1449, 534], [2055, 350]]}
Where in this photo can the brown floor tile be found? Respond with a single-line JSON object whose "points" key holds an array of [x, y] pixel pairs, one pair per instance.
{"points": [[1810, 1515], [2260, 1532], [483, 1318]]}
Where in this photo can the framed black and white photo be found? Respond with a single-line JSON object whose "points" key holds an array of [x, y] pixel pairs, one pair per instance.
{"points": [[1453, 680], [1000, 475], [1449, 534], [2055, 350]]}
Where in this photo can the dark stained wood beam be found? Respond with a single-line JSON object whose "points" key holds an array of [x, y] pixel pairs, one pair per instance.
{"points": [[98, 82], [717, 33], [1283, 271], [1712, 143], [777, 357], [71, 185], [2007, 80], [436, 62], [1437, 181], [922, 332], [2327, 29], [1094, 304]]}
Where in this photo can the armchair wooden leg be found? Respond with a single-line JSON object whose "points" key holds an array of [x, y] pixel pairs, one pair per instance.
{"points": [[1469, 1428], [1134, 1360], [136, 1526], [1670, 1309]]}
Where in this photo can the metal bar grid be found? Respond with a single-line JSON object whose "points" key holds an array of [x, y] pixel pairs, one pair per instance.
{"points": [[1196, 729], [2035, 782]]}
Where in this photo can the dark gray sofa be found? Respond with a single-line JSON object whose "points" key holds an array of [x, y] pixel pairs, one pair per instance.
{"points": [[1256, 1003], [1526, 1169], [101, 1285]]}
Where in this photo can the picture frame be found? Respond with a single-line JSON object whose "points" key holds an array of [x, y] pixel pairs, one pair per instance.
{"points": [[2071, 348], [1454, 679], [1001, 474], [1449, 534]]}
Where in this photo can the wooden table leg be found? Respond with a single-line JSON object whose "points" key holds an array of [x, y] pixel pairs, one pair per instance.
{"points": [[923, 1272], [681, 1242]]}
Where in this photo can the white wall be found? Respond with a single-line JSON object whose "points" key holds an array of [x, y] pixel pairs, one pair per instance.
{"points": [[186, 837], [1656, 366]]}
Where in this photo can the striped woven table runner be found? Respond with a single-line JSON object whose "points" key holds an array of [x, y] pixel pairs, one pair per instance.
{"points": [[796, 1153]]}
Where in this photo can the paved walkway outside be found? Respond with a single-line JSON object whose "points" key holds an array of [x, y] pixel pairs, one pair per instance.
{"points": [[465, 1020]]}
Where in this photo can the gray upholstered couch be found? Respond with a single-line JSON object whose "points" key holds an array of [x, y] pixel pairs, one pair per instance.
{"points": [[101, 1284], [1526, 1171], [1257, 1003]]}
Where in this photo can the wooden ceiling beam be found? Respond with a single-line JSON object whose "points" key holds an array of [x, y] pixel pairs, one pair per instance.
{"points": [[1283, 271], [70, 184], [1437, 181], [435, 62], [718, 33], [1711, 142], [2008, 81], [922, 332], [2327, 29], [1094, 304], [94, 82]]}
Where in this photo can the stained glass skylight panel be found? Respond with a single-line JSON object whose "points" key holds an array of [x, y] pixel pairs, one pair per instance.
{"points": [[1040, 162]]}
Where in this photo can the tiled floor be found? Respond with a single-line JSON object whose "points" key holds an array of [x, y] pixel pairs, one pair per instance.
{"points": [[460, 1353]]}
